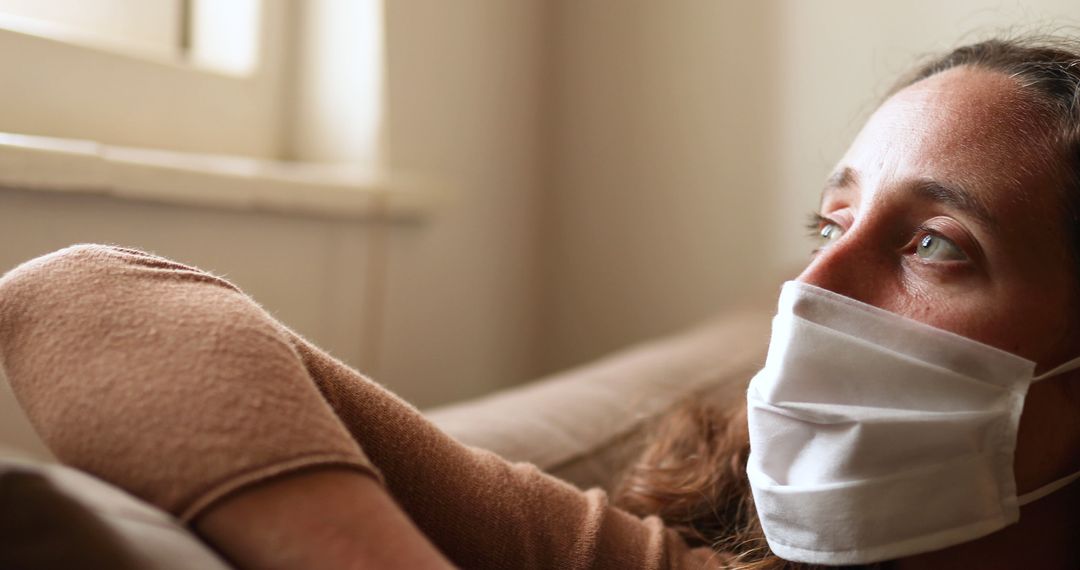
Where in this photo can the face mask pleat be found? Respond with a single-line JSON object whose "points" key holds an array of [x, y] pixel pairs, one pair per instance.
{"points": [[906, 336], [825, 415], [830, 366], [837, 445]]}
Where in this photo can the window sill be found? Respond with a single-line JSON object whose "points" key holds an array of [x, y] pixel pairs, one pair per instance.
{"points": [[217, 181]]}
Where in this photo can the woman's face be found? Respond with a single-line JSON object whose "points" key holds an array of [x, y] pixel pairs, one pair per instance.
{"points": [[945, 209]]}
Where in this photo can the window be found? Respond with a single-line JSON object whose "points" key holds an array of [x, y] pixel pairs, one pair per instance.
{"points": [[188, 75], [270, 79], [215, 34], [150, 26], [274, 84]]}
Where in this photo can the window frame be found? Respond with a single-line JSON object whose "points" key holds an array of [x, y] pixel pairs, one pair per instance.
{"points": [[124, 97]]}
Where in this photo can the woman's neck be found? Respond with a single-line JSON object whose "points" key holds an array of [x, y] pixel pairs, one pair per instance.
{"points": [[1046, 537]]}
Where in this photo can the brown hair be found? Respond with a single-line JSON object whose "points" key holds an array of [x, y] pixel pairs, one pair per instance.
{"points": [[692, 473]]}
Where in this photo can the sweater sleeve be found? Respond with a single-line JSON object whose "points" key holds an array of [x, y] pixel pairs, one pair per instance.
{"points": [[171, 383], [481, 510]]}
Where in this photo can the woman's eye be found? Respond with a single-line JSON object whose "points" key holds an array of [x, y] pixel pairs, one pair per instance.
{"points": [[936, 248], [824, 231], [830, 232]]}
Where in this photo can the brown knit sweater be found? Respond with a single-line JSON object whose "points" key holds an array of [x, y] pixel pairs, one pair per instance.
{"points": [[171, 383]]}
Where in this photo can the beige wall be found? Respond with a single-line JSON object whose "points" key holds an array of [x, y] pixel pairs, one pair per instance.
{"points": [[661, 174], [465, 91]]}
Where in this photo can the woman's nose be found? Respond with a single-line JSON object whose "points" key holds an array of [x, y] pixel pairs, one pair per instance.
{"points": [[847, 267]]}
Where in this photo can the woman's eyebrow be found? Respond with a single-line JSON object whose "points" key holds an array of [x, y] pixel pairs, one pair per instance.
{"points": [[956, 197], [841, 179], [844, 179], [926, 189]]}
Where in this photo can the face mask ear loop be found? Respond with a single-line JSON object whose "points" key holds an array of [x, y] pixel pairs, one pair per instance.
{"points": [[1068, 366], [1045, 490]]}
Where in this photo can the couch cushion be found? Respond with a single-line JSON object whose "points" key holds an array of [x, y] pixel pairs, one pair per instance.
{"points": [[586, 424], [55, 517]]}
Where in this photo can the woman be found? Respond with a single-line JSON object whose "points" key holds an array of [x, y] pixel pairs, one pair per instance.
{"points": [[956, 207]]}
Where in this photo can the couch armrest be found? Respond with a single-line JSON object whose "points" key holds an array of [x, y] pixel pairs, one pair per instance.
{"points": [[585, 425], [53, 516]]}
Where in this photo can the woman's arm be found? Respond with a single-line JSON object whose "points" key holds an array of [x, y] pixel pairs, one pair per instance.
{"points": [[326, 519]]}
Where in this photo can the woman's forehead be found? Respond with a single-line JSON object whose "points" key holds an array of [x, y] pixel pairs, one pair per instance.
{"points": [[964, 127]]}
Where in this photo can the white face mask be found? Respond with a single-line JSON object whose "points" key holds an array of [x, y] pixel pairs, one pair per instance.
{"points": [[875, 437]]}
